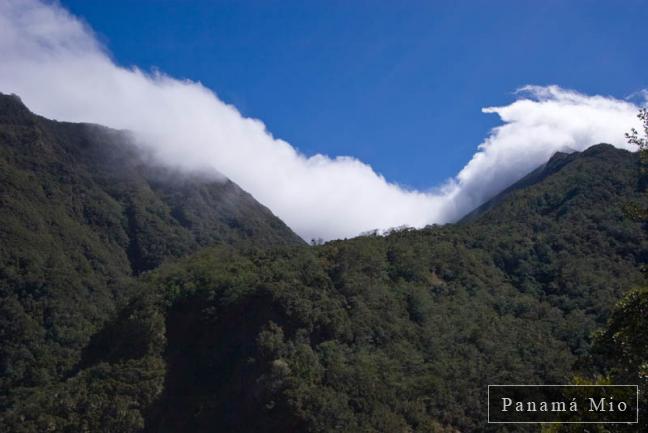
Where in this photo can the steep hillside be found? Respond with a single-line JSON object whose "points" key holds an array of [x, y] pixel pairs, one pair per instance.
{"points": [[400, 333], [566, 218], [81, 213], [575, 168], [388, 334], [404, 333]]}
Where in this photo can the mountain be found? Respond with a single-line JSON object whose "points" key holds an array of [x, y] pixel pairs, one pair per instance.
{"points": [[121, 313], [111, 190], [601, 156], [404, 332], [81, 213]]}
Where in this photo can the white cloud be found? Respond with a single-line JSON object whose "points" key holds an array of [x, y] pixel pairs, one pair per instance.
{"points": [[54, 62], [544, 121]]}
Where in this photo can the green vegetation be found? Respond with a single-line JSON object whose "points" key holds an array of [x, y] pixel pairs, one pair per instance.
{"points": [[620, 351], [80, 215], [249, 330]]}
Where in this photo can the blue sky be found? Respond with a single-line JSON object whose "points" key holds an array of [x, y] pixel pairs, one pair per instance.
{"points": [[399, 89], [398, 86]]}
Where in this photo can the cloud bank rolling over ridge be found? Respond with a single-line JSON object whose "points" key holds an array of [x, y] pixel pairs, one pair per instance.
{"points": [[56, 65]]}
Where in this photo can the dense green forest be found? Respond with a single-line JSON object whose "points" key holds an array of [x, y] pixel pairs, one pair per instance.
{"points": [[81, 214], [137, 299]]}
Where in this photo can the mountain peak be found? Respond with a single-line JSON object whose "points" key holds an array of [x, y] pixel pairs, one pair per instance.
{"points": [[582, 166], [13, 110], [95, 180], [11, 98]]}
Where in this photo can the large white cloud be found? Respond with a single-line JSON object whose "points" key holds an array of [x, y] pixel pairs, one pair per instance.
{"points": [[54, 62]]}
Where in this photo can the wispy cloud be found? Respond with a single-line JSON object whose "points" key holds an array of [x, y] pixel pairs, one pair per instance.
{"points": [[54, 62]]}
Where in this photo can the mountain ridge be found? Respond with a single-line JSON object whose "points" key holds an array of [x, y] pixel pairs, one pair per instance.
{"points": [[554, 164], [109, 159], [404, 332], [82, 212], [125, 308]]}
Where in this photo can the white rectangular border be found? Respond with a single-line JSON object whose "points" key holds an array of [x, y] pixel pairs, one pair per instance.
{"points": [[558, 422]]}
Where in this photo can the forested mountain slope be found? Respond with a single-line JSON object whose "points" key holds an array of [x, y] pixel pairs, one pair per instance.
{"points": [[403, 332], [80, 215], [400, 333], [567, 221]]}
